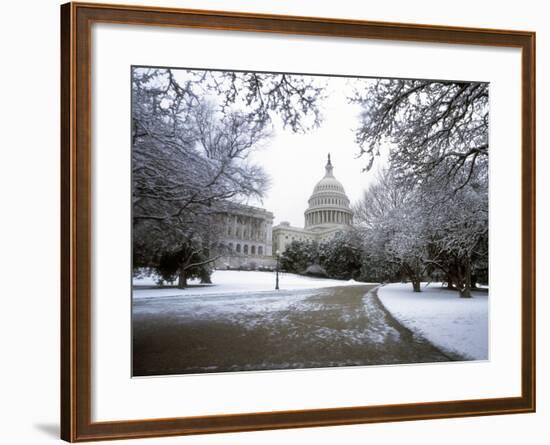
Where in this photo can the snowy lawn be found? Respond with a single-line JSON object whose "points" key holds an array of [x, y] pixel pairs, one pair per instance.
{"points": [[455, 325], [236, 282]]}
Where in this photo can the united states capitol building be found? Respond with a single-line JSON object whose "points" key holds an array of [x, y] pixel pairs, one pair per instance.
{"points": [[253, 242]]}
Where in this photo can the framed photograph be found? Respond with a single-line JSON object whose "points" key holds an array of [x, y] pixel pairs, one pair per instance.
{"points": [[277, 222]]}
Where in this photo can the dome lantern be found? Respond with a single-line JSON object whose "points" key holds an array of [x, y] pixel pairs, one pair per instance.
{"points": [[328, 167]]}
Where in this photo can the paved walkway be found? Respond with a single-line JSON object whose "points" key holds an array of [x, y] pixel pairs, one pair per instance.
{"points": [[338, 326]]}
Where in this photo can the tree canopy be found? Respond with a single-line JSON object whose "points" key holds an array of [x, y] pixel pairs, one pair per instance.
{"points": [[432, 127]]}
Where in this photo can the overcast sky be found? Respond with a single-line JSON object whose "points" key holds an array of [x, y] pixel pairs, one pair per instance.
{"points": [[296, 162]]}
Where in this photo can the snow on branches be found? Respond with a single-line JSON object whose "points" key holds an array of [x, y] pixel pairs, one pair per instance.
{"points": [[415, 231], [431, 127]]}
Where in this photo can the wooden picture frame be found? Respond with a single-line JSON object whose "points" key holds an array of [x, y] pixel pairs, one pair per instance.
{"points": [[76, 221]]}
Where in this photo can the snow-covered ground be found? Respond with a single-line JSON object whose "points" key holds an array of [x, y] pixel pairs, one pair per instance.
{"points": [[453, 324], [236, 282]]}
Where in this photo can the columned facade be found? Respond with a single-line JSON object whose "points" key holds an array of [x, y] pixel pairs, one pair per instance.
{"points": [[247, 241], [318, 217]]}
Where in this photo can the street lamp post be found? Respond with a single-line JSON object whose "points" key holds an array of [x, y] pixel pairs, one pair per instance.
{"points": [[277, 271]]}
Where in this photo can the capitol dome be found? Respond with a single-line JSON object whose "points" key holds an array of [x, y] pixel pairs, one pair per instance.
{"points": [[328, 204]]}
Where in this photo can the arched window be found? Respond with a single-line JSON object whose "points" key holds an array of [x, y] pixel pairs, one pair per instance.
{"points": [[238, 249], [231, 246], [260, 250], [253, 250], [245, 249]]}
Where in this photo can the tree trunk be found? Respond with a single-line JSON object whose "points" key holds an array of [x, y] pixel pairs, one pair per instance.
{"points": [[182, 278], [466, 291], [450, 282], [473, 282], [205, 277], [411, 274]]}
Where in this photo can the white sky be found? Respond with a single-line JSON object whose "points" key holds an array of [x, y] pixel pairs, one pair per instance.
{"points": [[296, 162]]}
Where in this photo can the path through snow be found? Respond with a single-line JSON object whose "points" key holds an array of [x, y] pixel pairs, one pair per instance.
{"points": [[286, 329]]}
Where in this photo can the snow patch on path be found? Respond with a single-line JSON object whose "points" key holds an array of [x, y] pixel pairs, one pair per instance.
{"points": [[248, 308], [237, 282], [453, 324]]}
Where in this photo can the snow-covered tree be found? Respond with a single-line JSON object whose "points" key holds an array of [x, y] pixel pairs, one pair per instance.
{"points": [[392, 227], [430, 126], [294, 99], [459, 226], [299, 255], [192, 136], [339, 257], [412, 231], [342, 255], [187, 163]]}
